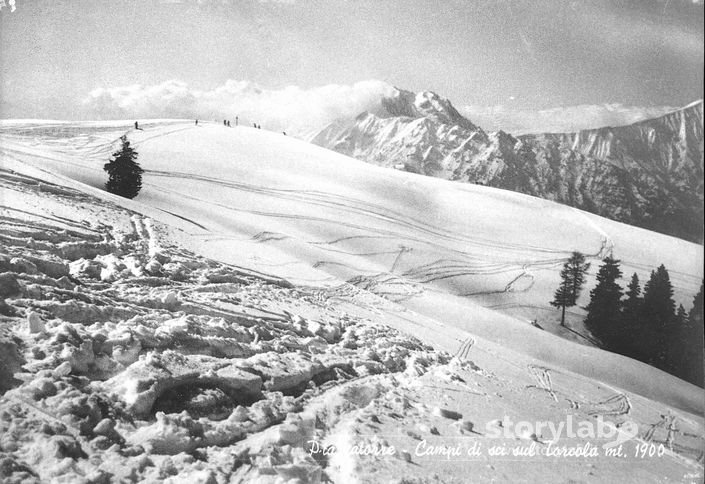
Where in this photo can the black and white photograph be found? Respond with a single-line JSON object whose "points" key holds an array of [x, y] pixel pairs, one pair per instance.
{"points": [[351, 241]]}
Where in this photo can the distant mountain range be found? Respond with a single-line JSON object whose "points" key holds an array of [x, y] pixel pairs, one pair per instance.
{"points": [[648, 174]]}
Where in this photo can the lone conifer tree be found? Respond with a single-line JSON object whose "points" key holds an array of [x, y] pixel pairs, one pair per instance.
{"points": [[685, 355], [124, 173], [658, 316], [696, 313], [604, 319], [572, 280], [632, 305], [659, 305], [631, 312], [693, 362]]}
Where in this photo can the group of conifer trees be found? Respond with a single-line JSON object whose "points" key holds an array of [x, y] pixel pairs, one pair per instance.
{"points": [[646, 325]]}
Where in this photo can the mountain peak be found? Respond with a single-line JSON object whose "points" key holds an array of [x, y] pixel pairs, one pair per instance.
{"points": [[424, 104]]}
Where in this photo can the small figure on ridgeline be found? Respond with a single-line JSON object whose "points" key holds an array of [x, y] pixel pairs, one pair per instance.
{"points": [[225, 123], [254, 125], [284, 133], [137, 126], [196, 122], [236, 120], [228, 123]]}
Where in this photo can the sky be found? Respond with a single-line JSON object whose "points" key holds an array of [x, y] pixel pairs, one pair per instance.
{"points": [[518, 65]]}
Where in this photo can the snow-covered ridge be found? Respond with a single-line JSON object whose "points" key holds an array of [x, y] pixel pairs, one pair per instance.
{"points": [[683, 126]]}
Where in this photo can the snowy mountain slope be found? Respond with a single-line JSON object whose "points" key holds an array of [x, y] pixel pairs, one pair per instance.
{"points": [[373, 249], [647, 174], [448, 251]]}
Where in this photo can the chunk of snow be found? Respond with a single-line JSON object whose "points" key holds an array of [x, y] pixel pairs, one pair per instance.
{"points": [[64, 369], [446, 413], [35, 323]]}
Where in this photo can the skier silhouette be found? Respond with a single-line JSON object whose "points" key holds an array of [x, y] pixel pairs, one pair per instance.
{"points": [[236, 120], [196, 122], [137, 126]]}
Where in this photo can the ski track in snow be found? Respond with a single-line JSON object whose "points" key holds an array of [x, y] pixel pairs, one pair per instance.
{"points": [[543, 380], [464, 348], [354, 207], [606, 243]]}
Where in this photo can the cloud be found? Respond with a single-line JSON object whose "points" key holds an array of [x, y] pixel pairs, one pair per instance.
{"points": [[304, 111], [647, 30], [560, 119], [290, 108]]}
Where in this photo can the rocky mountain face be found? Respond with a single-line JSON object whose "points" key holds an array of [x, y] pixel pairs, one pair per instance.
{"points": [[648, 174], [422, 133]]}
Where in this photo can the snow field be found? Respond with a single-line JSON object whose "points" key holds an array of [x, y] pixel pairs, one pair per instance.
{"points": [[185, 294]]}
